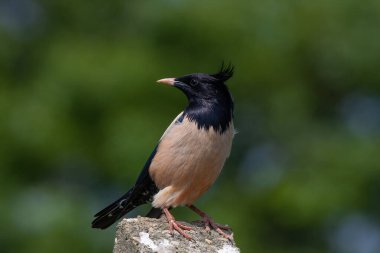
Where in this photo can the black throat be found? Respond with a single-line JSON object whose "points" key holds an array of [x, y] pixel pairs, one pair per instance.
{"points": [[216, 114]]}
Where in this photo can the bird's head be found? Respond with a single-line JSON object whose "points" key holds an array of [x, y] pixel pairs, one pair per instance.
{"points": [[200, 87]]}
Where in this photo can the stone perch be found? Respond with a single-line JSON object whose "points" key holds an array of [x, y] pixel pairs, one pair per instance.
{"points": [[152, 235]]}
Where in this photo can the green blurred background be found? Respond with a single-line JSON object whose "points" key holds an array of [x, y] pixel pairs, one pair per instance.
{"points": [[80, 112]]}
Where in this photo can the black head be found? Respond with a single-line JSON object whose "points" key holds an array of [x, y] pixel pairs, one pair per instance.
{"points": [[210, 102], [200, 87]]}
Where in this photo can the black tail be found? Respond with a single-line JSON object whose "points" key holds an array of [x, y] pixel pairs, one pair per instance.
{"points": [[141, 193], [114, 211]]}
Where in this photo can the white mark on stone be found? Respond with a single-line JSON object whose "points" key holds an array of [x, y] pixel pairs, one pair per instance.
{"points": [[163, 246], [144, 239], [132, 220], [228, 249]]}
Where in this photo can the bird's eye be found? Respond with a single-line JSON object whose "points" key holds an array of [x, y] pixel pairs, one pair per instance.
{"points": [[193, 82]]}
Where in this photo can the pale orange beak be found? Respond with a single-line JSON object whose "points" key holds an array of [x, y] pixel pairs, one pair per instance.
{"points": [[167, 81]]}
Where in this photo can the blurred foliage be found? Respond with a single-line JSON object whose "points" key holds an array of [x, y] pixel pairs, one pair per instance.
{"points": [[80, 112]]}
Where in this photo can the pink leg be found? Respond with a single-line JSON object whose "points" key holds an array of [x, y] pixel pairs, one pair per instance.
{"points": [[173, 224], [209, 222]]}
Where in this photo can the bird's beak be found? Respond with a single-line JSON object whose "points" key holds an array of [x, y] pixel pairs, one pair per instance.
{"points": [[167, 81]]}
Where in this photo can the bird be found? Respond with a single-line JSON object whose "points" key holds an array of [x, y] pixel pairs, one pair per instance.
{"points": [[188, 157]]}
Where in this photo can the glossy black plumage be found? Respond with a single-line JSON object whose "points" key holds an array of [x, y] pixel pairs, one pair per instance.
{"points": [[141, 193], [210, 106], [210, 102]]}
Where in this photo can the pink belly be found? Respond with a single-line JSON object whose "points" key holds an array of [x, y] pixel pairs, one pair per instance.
{"points": [[187, 162]]}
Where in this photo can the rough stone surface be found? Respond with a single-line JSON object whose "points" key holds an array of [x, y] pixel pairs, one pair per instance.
{"points": [[152, 235]]}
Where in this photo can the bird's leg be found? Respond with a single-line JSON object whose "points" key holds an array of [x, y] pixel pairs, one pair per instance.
{"points": [[209, 222], [173, 224]]}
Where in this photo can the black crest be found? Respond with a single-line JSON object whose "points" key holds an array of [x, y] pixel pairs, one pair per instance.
{"points": [[225, 72]]}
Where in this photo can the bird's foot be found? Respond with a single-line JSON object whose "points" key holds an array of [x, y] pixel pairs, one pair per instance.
{"points": [[175, 225], [209, 223]]}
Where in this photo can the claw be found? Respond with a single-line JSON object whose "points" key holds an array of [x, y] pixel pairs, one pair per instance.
{"points": [[177, 226], [218, 228], [209, 223], [184, 227]]}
